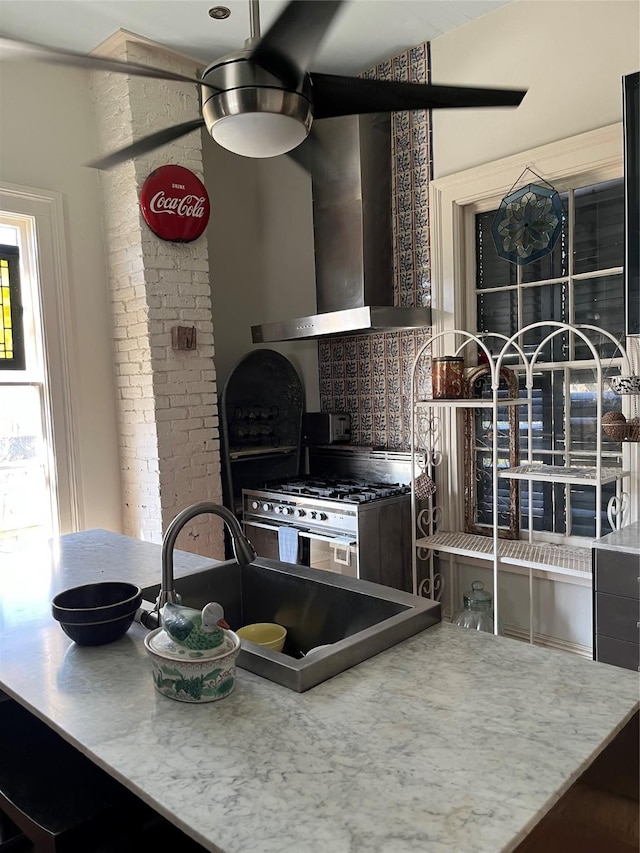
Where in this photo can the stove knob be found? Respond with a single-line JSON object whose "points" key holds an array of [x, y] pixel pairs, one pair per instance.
{"points": [[266, 507], [301, 513], [314, 514], [255, 505], [323, 516], [279, 509], [288, 510]]}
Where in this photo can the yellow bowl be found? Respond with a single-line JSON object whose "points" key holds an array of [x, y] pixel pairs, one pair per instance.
{"points": [[267, 634]]}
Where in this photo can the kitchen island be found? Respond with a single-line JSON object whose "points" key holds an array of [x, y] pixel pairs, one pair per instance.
{"points": [[449, 742]]}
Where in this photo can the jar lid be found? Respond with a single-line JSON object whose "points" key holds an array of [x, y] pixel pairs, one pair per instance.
{"points": [[457, 358], [160, 643], [477, 595]]}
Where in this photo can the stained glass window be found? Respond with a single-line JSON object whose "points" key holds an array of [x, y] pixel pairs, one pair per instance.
{"points": [[11, 330]]}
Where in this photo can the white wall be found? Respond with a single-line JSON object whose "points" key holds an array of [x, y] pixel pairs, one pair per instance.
{"points": [[260, 238], [569, 54], [287, 286], [45, 136], [234, 251], [561, 609]]}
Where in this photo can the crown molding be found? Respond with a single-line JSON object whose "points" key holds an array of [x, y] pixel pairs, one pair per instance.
{"points": [[112, 45]]}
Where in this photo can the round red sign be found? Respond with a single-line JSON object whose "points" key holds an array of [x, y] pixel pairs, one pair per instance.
{"points": [[175, 204]]}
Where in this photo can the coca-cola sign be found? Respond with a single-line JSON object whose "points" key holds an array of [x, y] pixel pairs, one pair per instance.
{"points": [[175, 204]]}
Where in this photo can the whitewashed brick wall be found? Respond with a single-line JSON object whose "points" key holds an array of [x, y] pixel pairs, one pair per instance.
{"points": [[169, 439]]}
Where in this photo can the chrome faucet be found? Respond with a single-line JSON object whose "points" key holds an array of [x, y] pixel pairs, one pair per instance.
{"points": [[243, 550]]}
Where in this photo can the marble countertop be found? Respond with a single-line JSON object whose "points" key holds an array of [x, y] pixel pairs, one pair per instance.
{"points": [[451, 741], [626, 540]]}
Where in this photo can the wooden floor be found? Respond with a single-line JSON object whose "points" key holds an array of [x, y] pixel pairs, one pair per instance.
{"points": [[600, 813]]}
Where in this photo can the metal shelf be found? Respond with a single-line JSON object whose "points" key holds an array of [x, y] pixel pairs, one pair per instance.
{"points": [[466, 403], [436, 453], [252, 452], [577, 475], [559, 559]]}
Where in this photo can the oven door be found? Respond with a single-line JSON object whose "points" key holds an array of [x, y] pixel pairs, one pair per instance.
{"points": [[333, 553]]}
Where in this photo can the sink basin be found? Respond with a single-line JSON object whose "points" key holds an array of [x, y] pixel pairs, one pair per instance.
{"points": [[356, 619]]}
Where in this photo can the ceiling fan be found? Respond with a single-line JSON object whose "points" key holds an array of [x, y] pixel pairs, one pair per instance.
{"points": [[260, 101]]}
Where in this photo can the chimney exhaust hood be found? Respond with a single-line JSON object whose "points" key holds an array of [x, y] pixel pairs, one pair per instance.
{"points": [[351, 187]]}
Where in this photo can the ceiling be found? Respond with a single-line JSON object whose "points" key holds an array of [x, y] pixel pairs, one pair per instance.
{"points": [[363, 33]]}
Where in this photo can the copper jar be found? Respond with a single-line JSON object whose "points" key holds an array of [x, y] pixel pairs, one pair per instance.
{"points": [[447, 377]]}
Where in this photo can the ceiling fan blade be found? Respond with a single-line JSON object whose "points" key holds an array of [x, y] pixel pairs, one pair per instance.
{"points": [[334, 95], [15, 49], [145, 145], [291, 42]]}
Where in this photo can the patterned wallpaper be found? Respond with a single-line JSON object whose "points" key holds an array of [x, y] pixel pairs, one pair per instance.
{"points": [[370, 375]]}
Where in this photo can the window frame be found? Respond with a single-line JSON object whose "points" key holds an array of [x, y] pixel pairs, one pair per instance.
{"points": [[39, 217], [561, 372], [455, 199]]}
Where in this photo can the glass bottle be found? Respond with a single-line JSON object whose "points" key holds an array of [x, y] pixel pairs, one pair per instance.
{"points": [[447, 377], [478, 610]]}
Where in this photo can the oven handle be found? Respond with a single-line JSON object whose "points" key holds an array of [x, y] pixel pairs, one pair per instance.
{"points": [[338, 541]]}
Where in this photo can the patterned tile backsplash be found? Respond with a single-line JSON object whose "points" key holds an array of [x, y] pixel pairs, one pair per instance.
{"points": [[370, 375]]}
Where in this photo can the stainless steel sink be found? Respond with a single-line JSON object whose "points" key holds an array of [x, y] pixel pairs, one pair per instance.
{"points": [[357, 619]]}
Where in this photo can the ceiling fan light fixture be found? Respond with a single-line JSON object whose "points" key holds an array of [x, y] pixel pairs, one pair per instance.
{"points": [[256, 121], [260, 101], [259, 134]]}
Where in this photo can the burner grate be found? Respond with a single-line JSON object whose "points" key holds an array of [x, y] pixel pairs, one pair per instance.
{"points": [[343, 490]]}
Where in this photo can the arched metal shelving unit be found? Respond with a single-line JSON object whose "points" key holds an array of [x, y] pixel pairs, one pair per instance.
{"points": [[438, 529]]}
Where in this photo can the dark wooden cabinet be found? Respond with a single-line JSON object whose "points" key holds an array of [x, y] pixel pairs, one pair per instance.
{"points": [[616, 607], [600, 809]]}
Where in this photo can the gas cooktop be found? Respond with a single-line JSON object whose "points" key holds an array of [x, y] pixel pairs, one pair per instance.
{"points": [[340, 489]]}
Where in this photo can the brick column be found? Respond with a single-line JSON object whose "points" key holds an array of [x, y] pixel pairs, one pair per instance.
{"points": [[167, 399]]}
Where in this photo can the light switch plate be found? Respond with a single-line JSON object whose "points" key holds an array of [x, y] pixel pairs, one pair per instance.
{"points": [[183, 337]]}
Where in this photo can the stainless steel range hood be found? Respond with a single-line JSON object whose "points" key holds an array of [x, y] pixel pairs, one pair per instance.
{"points": [[352, 236], [351, 321]]}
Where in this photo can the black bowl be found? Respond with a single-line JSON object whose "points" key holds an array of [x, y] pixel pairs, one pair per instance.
{"points": [[97, 613]]}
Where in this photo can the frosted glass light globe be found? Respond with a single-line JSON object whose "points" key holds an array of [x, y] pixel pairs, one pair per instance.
{"points": [[259, 134]]}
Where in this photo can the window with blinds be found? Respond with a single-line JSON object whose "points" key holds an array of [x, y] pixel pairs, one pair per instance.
{"points": [[580, 282]]}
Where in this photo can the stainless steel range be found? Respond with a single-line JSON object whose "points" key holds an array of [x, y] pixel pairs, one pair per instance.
{"points": [[351, 526]]}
